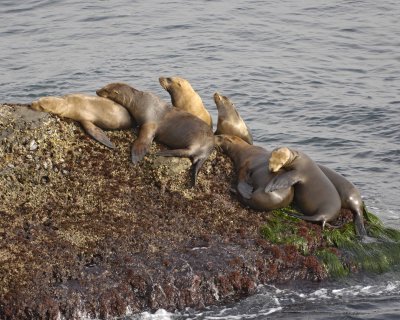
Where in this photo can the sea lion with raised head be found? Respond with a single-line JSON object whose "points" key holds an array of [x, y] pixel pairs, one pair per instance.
{"points": [[229, 120], [92, 112], [186, 134], [314, 193], [184, 97], [251, 164]]}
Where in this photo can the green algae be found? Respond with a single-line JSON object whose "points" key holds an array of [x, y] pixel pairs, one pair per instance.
{"points": [[378, 253], [339, 248], [286, 233], [332, 263]]}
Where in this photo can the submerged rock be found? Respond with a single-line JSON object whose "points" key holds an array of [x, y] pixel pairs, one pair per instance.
{"points": [[84, 232]]}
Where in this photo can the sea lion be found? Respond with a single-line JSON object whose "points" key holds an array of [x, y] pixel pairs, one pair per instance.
{"points": [[314, 193], [188, 135], [184, 97], [350, 198], [229, 120], [91, 111], [251, 163]]}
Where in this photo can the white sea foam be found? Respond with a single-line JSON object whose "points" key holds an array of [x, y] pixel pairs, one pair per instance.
{"points": [[160, 314]]}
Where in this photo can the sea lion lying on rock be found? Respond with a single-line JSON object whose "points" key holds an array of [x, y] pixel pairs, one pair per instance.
{"points": [[251, 164], [314, 193], [350, 197], [92, 112], [185, 133], [229, 120], [184, 97]]}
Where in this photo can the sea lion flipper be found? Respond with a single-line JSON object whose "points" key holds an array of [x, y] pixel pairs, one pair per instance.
{"points": [[282, 181], [245, 189], [174, 153], [142, 144], [359, 225], [195, 170], [97, 134], [138, 151], [316, 218]]}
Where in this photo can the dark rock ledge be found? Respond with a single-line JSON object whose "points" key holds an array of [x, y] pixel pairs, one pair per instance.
{"points": [[85, 232]]}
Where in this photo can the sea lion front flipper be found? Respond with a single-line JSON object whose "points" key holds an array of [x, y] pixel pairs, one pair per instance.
{"points": [[282, 181], [245, 189], [142, 144], [96, 133]]}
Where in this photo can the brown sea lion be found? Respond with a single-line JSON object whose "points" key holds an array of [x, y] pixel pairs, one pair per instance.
{"points": [[92, 112], [251, 164], [184, 97], [229, 120], [350, 197], [188, 135], [314, 193]]}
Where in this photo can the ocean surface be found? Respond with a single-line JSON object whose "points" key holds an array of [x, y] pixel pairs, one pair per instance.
{"points": [[319, 76]]}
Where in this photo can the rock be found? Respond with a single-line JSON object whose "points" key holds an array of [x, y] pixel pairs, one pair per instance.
{"points": [[83, 231], [33, 145]]}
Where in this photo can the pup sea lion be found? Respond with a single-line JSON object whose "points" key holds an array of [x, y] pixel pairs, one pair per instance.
{"points": [[185, 133], [251, 164], [350, 197], [314, 193], [184, 97], [91, 111], [229, 120]]}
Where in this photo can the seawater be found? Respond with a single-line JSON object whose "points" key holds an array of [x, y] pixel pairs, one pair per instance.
{"points": [[320, 76]]}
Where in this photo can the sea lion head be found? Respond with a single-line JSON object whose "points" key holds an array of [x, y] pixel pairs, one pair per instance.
{"points": [[279, 158], [48, 104], [118, 92], [225, 106], [220, 100], [174, 84]]}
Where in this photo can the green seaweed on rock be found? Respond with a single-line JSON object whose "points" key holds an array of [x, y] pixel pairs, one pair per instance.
{"points": [[378, 253], [332, 263], [286, 233], [339, 249]]}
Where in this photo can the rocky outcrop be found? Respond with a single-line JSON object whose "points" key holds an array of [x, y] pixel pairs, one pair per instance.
{"points": [[85, 232]]}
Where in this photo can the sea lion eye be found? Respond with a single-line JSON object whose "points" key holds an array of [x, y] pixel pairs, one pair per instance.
{"points": [[116, 91]]}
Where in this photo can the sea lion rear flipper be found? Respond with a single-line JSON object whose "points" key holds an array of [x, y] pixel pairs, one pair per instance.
{"points": [[359, 225], [141, 145], [195, 170], [97, 134], [245, 189], [175, 153], [282, 181], [316, 218]]}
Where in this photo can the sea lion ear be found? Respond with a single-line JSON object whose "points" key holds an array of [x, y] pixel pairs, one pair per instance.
{"points": [[116, 91]]}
